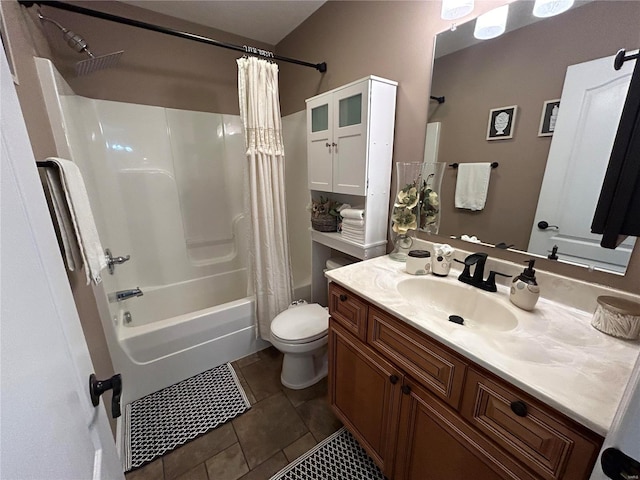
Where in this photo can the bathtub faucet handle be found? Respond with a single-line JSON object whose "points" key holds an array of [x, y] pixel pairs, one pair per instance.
{"points": [[113, 261]]}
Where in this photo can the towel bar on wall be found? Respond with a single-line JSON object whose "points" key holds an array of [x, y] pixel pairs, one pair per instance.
{"points": [[493, 165]]}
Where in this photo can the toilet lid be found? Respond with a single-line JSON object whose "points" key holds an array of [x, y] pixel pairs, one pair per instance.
{"points": [[301, 324]]}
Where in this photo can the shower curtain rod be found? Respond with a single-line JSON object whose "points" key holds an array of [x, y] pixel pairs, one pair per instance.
{"points": [[246, 49]]}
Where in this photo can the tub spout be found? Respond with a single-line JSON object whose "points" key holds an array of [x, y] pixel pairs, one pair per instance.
{"points": [[124, 294]]}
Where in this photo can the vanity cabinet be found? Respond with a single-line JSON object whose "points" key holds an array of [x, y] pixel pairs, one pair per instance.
{"points": [[364, 394], [350, 135], [422, 410]]}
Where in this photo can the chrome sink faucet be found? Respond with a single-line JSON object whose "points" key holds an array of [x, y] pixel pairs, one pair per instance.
{"points": [[478, 261]]}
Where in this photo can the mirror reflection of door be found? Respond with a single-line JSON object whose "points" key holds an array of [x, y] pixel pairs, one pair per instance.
{"points": [[592, 99]]}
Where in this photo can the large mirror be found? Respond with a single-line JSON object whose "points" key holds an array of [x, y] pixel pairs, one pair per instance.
{"points": [[551, 161]]}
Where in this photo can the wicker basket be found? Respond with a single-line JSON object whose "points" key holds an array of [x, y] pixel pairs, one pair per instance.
{"points": [[324, 223]]}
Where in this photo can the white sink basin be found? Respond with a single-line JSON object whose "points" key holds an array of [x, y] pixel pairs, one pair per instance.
{"points": [[443, 298]]}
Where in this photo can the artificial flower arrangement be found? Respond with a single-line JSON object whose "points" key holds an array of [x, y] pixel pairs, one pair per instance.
{"points": [[324, 214], [412, 202], [429, 206]]}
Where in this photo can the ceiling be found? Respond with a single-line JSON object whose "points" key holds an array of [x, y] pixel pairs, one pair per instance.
{"points": [[268, 21]]}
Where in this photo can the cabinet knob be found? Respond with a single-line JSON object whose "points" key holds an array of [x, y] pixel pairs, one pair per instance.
{"points": [[343, 298], [519, 408], [327, 144], [406, 389], [394, 379]]}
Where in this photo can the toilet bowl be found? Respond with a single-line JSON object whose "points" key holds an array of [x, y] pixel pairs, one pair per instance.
{"points": [[300, 333]]}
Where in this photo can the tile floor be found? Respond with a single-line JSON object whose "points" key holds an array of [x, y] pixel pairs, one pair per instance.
{"points": [[281, 425]]}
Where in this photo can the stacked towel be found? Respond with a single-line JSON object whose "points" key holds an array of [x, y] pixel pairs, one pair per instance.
{"points": [[472, 185], [353, 224], [78, 231]]}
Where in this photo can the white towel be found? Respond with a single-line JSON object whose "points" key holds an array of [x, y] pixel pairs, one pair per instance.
{"points": [[353, 238], [353, 230], [352, 222], [353, 213], [70, 246], [77, 226], [472, 185]]}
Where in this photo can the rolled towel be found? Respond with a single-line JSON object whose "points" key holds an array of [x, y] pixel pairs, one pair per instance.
{"points": [[353, 213]]}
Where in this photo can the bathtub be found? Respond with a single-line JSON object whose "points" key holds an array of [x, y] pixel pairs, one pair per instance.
{"points": [[175, 333]]}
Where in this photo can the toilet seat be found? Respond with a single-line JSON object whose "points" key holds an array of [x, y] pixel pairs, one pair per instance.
{"points": [[301, 324]]}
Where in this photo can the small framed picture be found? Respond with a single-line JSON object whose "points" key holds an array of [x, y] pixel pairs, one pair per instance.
{"points": [[548, 118], [501, 122]]}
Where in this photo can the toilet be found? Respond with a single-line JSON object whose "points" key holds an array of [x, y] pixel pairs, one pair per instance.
{"points": [[300, 333]]}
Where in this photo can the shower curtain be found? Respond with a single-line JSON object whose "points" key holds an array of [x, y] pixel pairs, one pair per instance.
{"points": [[269, 251]]}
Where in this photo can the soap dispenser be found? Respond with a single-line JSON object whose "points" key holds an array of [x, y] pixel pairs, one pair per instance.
{"points": [[524, 288]]}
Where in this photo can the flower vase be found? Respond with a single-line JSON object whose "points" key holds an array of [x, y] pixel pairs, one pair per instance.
{"points": [[429, 197], [404, 216]]}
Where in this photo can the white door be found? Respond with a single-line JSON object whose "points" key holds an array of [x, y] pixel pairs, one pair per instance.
{"points": [[624, 434], [350, 121], [592, 99], [50, 429], [319, 143]]}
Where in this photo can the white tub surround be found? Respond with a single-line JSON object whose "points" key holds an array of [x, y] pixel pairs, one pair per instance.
{"points": [[166, 187], [553, 353]]}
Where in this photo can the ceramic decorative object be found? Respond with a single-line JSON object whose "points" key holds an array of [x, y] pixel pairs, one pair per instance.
{"points": [[617, 317]]}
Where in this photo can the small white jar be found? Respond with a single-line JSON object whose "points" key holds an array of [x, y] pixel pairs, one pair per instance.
{"points": [[419, 262]]}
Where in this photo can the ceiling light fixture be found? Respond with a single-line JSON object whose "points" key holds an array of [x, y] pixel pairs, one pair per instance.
{"points": [[549, 8], [491, 24], [454, 9]]}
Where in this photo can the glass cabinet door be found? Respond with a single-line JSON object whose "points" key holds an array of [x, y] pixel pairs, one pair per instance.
{"points": [[350, 111], [319, 143], [320, 118]]}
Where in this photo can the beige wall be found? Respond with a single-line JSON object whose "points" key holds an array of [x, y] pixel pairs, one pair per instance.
{"points": [[155, 69], [393, 39], [524, 68]]}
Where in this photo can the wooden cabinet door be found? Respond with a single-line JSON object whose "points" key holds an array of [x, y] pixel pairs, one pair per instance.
{"points": [[435, 444], [364, 392], [350, 121], [319, 143]]}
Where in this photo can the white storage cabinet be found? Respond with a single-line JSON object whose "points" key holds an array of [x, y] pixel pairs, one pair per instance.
{"points": [[349, 154]]}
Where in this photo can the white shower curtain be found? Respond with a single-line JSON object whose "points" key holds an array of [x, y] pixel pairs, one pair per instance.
{"points": [[270, 261]]}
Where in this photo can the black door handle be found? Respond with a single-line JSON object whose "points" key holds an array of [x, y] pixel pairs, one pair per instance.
{"points": [[619, 466], [543, 225], [98, 387]]}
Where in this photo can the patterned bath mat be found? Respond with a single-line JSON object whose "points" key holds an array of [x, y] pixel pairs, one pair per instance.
{"points": [[164, 420], [338, 457]]}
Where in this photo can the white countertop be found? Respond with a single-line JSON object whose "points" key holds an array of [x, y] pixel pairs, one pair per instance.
{"points": [[553, 353]]}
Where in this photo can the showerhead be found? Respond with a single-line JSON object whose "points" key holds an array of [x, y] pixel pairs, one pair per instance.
{"points": [[77, 43], [93, 64]]}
